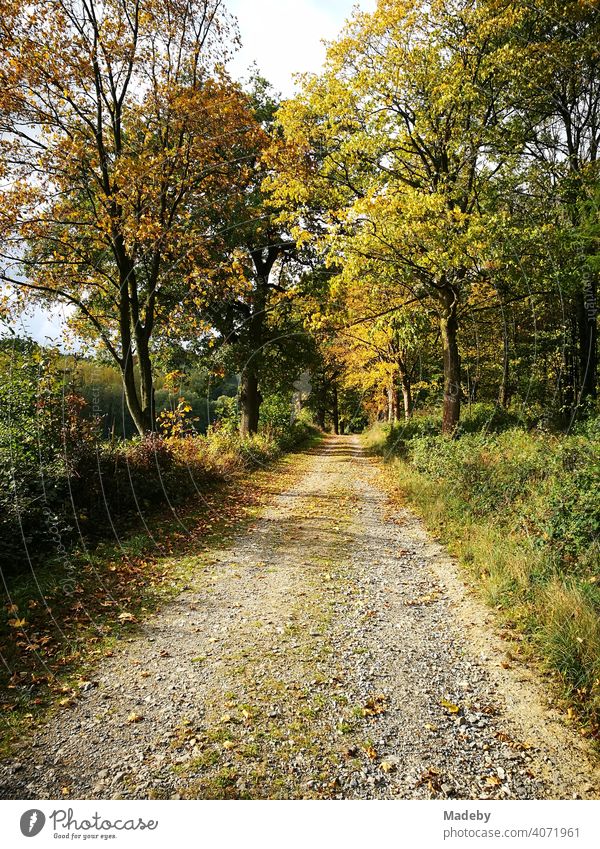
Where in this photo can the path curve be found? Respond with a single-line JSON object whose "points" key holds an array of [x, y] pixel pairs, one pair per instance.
{"points": [[330, 652]]}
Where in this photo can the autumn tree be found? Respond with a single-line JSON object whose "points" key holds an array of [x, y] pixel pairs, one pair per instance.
{"points": [[390, 146], [260, 332], [120, 135]]}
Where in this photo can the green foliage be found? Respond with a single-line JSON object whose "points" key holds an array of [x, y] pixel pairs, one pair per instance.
{"points": [[570, 520], [61, 479], [276, 413], [37, 439], [227, 414]]}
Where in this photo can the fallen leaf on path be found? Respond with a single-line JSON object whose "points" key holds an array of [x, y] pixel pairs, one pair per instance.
{"points": [[450, 706], [228, 745], [375, 706], [424, 599], [431, 777], [17, 623], [126, 617], [134, 717]]}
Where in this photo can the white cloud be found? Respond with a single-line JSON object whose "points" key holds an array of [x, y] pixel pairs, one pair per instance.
{"points": [[286, 37]]}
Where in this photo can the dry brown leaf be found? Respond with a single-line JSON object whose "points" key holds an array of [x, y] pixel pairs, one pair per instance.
{"points": [[126, 617], [431, 777], [375, 706]]}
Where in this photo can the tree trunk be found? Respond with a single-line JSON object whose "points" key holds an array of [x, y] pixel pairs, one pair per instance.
{"points": [[391, 399], [449, 334], [588, 340], [336, 411], [250, 401], [141, 410], [406, 395], [250, 397], [131, 396], [146, 384], [320, 416], [504, 393], [570, 363]]}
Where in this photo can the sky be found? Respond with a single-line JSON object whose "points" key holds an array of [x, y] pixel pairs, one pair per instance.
{"points": [[283, 37]]}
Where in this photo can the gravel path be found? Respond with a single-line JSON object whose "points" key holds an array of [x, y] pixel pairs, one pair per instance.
{"points": [[331, 652]]}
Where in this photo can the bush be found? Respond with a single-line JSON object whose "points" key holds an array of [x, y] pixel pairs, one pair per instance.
{"points": [[36, 436], [60, 480]]}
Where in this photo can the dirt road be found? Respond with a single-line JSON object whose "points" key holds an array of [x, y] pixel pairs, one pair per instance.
{"points": [[330, 652]]}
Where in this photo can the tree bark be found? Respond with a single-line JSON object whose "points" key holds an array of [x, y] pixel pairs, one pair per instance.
{"points": [[405, 384], [250, 401], [504, 392], [146, 385], [131, 395], [570, 363], [336, 411], [391, 398], [449, 335], [588, 341]]}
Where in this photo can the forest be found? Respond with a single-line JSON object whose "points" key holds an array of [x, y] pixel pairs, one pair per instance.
{"points": [[407, 250]]}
